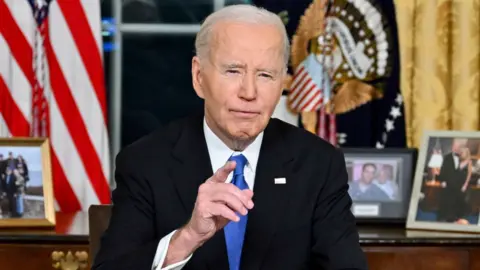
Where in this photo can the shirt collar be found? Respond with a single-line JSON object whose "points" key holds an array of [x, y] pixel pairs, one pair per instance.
{"points": [[220, 153]]}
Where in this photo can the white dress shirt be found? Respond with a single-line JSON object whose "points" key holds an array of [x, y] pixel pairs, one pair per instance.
{"points": [[455, 160], [219, 155]]}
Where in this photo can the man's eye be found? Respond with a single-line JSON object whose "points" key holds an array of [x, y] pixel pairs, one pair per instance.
{"points": [[266, 75], [233, 71]]}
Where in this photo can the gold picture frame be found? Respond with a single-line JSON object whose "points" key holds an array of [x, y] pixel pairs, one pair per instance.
{"points": [[446, 188], [22, 201]]}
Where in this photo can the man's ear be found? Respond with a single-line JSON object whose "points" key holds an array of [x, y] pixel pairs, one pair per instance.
{"points": [[197, 76]]}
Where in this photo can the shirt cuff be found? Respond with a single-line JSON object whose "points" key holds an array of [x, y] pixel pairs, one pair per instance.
{"points": [[162, 253]]}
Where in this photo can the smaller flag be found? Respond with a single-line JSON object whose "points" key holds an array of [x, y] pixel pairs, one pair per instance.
{"points": [[310, 86]]}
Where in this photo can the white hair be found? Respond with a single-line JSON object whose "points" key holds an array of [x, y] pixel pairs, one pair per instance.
{"points": [[243, 14]]}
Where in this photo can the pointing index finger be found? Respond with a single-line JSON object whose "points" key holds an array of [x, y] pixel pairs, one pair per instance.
{"points": [[221, 174]]}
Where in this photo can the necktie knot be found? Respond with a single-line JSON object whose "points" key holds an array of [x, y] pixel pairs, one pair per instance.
{"points": [[240, 161]]}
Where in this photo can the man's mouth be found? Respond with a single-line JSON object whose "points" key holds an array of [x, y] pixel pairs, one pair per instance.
{"points": [[244, 113]]}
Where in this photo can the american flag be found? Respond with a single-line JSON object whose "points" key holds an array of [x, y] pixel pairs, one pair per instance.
{"points": [[310, 91], [52, 85], [308, 86]]}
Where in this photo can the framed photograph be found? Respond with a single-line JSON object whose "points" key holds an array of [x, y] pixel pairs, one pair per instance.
{"points": [[26, 192], [380, 182], [446, 189]]}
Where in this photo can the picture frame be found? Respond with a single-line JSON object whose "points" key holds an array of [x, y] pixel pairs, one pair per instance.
{"points": [[26, 189], [380, 193], [439, 201]]}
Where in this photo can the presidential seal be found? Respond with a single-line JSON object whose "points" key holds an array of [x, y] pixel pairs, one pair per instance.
{"points": [[340, 58]]}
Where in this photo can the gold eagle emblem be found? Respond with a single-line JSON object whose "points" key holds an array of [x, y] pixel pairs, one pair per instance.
{"points": [[352, 42]]}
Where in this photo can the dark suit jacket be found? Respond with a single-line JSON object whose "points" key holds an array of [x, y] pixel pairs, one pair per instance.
{"points": [[3, 166], [303, 224], [10, 188], [448, 172]]}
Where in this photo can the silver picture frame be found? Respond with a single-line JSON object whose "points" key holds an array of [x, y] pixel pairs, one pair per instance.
{"points": [[445, 195]]}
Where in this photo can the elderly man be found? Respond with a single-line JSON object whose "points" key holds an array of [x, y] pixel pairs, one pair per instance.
{"points": [[452, 178], [232, 188]]}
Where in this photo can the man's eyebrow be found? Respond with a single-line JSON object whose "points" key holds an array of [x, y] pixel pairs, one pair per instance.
{"points": [[233, 65], [269, 70], [243, 66]]}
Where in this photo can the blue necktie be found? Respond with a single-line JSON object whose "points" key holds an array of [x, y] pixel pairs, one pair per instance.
{"points": [[235, 231]]}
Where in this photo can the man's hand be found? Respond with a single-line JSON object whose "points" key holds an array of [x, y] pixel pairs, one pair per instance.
{"points": [[217, 204]]}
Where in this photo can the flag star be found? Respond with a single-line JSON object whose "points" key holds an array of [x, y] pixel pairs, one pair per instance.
{"points": [[395, 112], [389, 125], [399, 99], [379, 145]]}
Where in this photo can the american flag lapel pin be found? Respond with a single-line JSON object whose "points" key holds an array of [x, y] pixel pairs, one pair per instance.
{"points": [[280, 181]]}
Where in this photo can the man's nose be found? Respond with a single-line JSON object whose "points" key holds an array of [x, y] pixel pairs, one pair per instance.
{"points": [[249, 88]]}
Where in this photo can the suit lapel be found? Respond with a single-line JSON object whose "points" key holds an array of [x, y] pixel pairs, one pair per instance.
{"points": [[189, 168], [270, 199]]}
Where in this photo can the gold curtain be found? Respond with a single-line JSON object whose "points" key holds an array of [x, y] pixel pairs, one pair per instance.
{"points": [[440, 65]]}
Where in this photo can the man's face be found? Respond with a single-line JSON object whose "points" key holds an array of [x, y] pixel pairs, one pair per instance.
{"points": [[384, 175], [368, 174], [8, 171], [241, 79], [458, 144]]}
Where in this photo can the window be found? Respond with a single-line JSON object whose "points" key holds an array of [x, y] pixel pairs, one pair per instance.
{"points": [[166, 11], [156, 82]]}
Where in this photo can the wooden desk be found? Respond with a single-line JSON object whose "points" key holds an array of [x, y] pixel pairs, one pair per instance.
{"points": [[47, 249], [390, 248], [400, 249]]}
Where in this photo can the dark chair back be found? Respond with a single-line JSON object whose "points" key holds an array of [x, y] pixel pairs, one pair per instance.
{"points": [[98, 220]]}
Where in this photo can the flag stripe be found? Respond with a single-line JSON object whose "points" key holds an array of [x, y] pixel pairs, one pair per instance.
{"points": [[65, 222], [301, 94], [16, 122], [76, 77], [4, 132], [22, 12], [298, 93], [77, 129], [307, 94], [318, 104], [82, 34], [20, 48], [64, 195], [15, 78], [310, 105], [298, 80], [299, 74], [68, 157], [92, 13]]}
